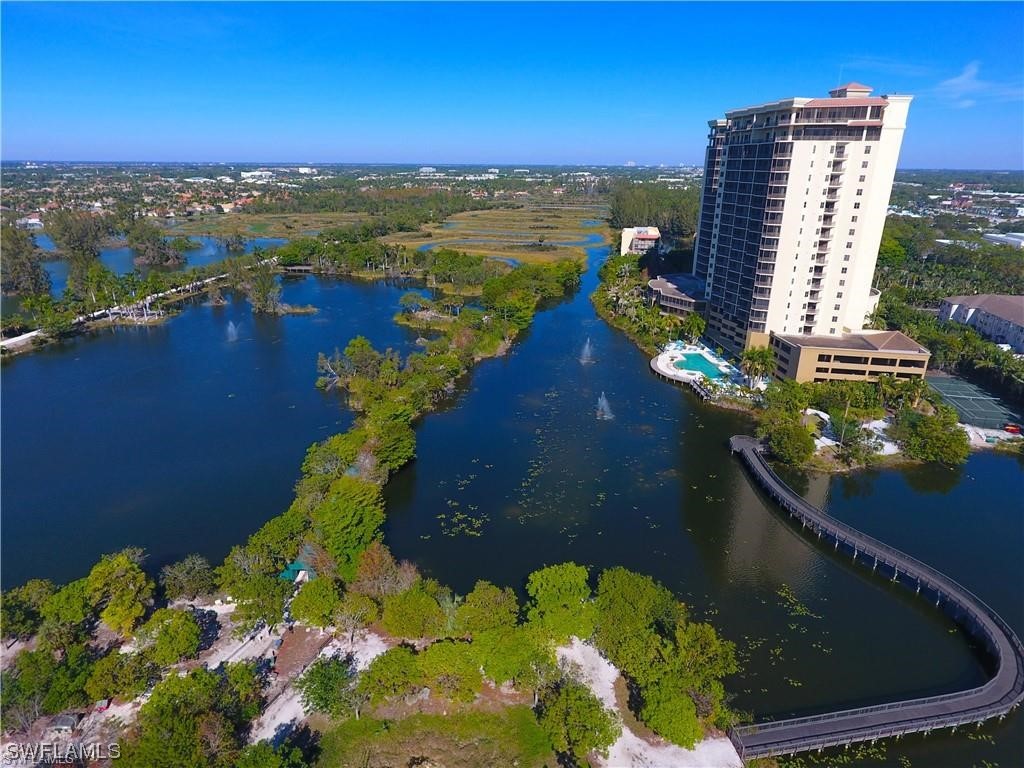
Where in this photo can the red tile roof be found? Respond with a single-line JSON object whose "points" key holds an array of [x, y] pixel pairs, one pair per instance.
{"points": [[854, 87]]}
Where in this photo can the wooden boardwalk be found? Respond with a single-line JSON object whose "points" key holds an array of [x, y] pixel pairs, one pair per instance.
{"points": [[181, 291], [1002, 693]]}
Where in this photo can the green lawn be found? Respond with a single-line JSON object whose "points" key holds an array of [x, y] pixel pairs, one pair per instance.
{"points": [[458, 740]]}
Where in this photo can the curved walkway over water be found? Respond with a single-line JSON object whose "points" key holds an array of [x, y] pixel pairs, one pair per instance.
{"points": [[993, 699]]}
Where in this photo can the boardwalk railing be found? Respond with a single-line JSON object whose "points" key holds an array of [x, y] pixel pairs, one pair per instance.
{"points": [[182, 290], [696, 383], [995, 698]]}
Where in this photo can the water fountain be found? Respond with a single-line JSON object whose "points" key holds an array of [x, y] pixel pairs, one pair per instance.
{"points": [[587, 355], [604, 411], [232, 331]]}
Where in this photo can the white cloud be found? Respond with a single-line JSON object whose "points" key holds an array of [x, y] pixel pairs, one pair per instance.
{"points": [[967, 89]]}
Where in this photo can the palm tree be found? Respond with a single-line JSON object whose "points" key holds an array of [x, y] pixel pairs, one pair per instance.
{"points": [[693, 327], [757, 362], [889, 389], [915, 389]]}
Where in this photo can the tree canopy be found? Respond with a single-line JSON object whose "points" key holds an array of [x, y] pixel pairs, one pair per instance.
{"points": [[576, 722], [169, 636], [560, 601], [316, 602], [20, 269], [188, 578], [120, 588]]}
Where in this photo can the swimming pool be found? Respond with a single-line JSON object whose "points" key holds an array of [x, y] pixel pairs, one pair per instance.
{"points": [[697, 362]]}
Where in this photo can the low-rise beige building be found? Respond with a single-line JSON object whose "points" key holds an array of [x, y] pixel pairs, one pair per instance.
{"points": [[862, 356], [639, 240], [677, 294]]}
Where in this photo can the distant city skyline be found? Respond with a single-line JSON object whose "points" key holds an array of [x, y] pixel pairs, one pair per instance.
{"points": [[540, 84]]}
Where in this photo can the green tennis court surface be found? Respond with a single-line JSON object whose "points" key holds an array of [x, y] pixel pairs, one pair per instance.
{"points": [[975, 405]]}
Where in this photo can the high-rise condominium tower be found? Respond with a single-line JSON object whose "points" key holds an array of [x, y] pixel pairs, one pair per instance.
{"points": [[795, 196]]}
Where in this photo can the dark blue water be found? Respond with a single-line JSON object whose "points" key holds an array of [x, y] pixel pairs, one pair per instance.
{"points": [[120, 261], [171, 437], [524, 455], [175, 439]]}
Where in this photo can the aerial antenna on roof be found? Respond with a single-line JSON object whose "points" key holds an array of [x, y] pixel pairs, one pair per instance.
{"points": [[839, 81]]}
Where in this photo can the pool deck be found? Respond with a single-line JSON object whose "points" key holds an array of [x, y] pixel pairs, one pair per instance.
{"points": [[664, 365]]}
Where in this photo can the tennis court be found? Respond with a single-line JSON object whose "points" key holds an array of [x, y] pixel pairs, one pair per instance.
{"points": [[975, 405]]}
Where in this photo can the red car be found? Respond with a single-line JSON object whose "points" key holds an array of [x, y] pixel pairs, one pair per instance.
{"points": [[1013, 429]]}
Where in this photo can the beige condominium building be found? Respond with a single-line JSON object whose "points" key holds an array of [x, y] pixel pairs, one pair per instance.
{"points": [[860, 356], [794, 201]]}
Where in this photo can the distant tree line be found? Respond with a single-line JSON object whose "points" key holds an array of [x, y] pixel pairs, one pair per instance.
{"points": [[405, 209], [922, 272], [673, 211]]}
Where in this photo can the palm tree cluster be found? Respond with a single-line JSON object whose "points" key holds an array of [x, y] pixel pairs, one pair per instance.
{"points": [[757, 363], [956, 348], [900, 393], [622, 295]]}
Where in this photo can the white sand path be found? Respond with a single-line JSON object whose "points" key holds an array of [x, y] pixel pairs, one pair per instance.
{"points": [[285, 712], [630, 751]]}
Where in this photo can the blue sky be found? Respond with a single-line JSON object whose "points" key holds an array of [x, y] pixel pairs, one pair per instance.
{"points": [[534, 83]]}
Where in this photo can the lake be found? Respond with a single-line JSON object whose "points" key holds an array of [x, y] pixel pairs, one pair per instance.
{"points": [[178, 440], [172, 437], [121, 260]]}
